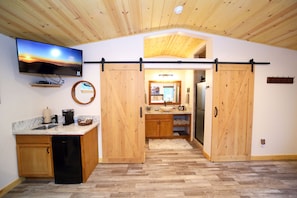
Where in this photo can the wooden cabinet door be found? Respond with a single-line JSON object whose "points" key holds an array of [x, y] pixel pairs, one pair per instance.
{"points": [[35, 160], [158, 125], [152, 128], [122, 103], [166, 127], [233, 88]]}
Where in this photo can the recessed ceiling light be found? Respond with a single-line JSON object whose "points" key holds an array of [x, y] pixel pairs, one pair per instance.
{"points": [[178, 9]]}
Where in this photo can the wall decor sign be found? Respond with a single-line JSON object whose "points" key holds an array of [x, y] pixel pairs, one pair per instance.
{"points": [[280, 80]]}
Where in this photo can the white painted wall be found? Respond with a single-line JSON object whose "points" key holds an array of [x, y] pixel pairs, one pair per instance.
{"points": [[275, 106], [20, 101]]}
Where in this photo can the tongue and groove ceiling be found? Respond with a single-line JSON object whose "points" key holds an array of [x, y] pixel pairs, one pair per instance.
{"points": [[75, 22]]}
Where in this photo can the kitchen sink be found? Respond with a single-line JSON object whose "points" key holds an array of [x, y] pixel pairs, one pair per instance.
{"points": [[43, 127]]}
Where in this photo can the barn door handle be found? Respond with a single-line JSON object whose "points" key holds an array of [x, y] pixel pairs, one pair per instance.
{"points": [[140, 112], [215, 112]]}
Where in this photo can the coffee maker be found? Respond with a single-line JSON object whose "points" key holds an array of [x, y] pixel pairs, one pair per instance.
{"points": [[68, 116]]}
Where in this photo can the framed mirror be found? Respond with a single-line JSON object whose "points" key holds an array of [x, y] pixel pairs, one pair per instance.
{"points": [[169, 92], [83, 92]]}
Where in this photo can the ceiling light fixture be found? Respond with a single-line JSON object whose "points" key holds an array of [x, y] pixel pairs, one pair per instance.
{"points": [[178, 9]]}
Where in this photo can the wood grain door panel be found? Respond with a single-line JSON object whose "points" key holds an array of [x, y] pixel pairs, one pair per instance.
{"points": [[122, 97], [232, 122]]}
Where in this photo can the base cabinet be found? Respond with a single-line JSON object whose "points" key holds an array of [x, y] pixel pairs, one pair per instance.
{"points": [[34, 156], [158, 125], [167, 125]]}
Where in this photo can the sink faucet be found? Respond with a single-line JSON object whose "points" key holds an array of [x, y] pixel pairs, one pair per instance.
{"points": [[165, 103], [55, 119]]}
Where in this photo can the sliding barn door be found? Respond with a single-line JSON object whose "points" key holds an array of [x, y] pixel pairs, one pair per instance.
{"points": [[233, 87], [122, 101]]}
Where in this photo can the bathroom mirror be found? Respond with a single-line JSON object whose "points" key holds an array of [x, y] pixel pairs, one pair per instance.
{"points": [[83, 92], [169, 92]]}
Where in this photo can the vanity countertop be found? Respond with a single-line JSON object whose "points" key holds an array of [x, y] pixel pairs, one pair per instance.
{"points": [[169, 112], [72, 129]]}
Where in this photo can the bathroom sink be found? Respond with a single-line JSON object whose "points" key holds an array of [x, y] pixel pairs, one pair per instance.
{"points": [[43, 127], [166, 108]]}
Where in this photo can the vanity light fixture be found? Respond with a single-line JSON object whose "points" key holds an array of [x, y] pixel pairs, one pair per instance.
{"points": [[165, 75], [178, 9]]}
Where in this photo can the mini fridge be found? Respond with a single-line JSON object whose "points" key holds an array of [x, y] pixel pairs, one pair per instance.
{"points": [[67, 159]]}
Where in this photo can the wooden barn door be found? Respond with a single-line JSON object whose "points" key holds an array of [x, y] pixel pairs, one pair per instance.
{"points": [[122, 100], [233, 88]]}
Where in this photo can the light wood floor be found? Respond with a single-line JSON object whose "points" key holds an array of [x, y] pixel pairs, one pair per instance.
{"points": [[171, 173]]}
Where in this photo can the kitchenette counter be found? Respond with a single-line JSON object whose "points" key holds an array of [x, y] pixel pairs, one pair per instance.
{"points": [[72, 149], [72, 129]]}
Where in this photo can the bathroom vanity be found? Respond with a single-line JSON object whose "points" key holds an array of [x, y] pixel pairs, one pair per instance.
{"points": [[175, 124], [35, 151], [163, 120]]}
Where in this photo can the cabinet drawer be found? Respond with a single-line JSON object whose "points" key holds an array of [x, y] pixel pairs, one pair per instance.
{"points": [[158, 116], [33, 139]]}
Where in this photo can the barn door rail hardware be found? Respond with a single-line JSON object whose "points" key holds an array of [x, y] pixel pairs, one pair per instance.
{"points": [[141, 62]]}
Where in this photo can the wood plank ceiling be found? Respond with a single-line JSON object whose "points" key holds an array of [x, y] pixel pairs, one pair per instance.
{"points": [[70, 23]]}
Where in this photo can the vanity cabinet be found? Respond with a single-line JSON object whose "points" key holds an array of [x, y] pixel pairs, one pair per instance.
{"points": [[34, 154], [158, 125], [167, 125]]}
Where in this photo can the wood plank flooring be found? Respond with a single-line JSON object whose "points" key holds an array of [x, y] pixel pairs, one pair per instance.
{"points": [[174, 173]]}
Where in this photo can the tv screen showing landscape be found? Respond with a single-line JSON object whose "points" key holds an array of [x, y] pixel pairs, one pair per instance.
{"points": [[43, 58]]}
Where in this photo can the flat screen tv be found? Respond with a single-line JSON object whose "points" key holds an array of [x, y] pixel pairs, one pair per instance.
{"points": [[42, 58]]}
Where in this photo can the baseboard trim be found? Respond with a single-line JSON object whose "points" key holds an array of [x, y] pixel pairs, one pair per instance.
{"points": [[10, 186], [197, 144], [206, 155], [274, 157]]}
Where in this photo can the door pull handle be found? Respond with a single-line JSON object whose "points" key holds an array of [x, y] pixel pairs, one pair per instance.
{"points": [[140, 112], [216, 112]]}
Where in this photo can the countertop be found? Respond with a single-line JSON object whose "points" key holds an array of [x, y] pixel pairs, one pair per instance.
{"points": [[72, 129], [174, 111]]}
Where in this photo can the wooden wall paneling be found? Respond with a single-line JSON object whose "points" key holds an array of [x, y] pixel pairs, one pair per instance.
{"points": [[71, 23]]}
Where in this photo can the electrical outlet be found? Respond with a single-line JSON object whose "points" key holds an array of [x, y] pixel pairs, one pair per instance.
{"points": [[263, 141]]}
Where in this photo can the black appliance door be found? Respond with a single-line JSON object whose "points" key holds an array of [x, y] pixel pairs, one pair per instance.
{"points": [[67, 159]]}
